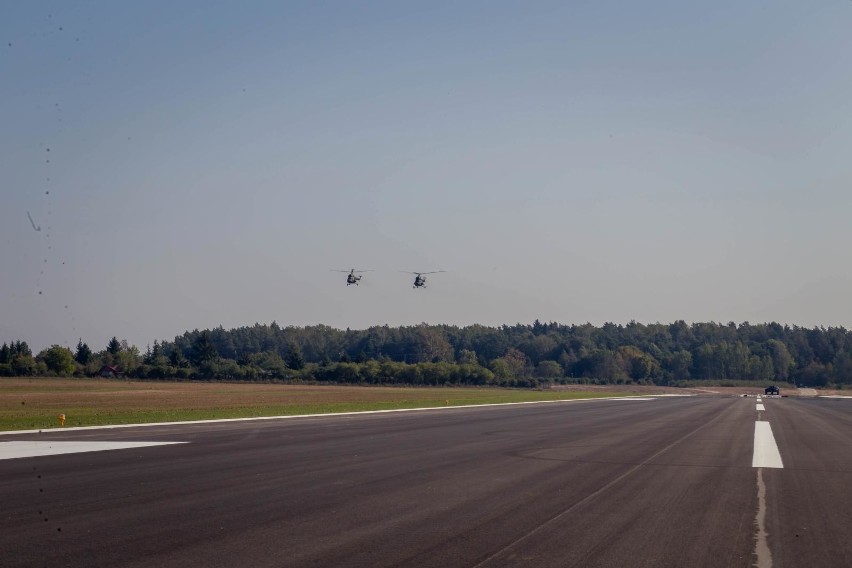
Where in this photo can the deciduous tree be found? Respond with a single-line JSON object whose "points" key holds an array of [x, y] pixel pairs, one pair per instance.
{"points": [[58, 360]]}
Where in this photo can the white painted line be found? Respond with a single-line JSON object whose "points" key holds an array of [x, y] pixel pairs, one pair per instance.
{"points": [[761, 407], [759, 399], [833, 396], [766, 452], [673, 394], [31, 449], [324, 415]]}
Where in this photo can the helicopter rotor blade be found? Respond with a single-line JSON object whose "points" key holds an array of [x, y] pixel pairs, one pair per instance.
{"points": [[431, 272]]}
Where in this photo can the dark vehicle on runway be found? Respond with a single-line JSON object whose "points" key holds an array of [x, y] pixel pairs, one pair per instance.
{"points": [[771, 390]]}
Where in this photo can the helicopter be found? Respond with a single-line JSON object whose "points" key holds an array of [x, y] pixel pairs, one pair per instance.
{"points": [[352, 277], [419, 279]]}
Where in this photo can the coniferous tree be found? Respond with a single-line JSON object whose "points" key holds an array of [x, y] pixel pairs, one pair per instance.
{"points": [[83, 354], [295, 359], [114, 346], [177, 358], [203, 350], [21, 348]]}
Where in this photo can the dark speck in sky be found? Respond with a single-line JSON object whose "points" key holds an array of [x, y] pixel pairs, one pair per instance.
{"points": [[36, 227]]}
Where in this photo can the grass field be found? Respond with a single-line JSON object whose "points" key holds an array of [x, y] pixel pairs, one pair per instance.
{"points": [[37, 402]]}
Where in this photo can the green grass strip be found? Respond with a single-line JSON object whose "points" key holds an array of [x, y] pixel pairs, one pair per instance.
{"points": [[35, 418]]}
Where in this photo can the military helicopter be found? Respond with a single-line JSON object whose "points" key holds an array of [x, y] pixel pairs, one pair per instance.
{"points": [[352, 277], [419, 279]]}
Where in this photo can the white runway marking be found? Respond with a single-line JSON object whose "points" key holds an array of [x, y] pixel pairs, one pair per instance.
{"points": [[677, 394], [766, 452], [32, 449], [759, 399], [761, 407]]}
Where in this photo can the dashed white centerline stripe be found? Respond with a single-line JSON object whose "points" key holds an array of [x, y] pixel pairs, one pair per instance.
{"points": [[766, 452], [761, 407]]}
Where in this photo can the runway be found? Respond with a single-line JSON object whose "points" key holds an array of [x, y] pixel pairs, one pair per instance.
{"points": [[655, 482]]}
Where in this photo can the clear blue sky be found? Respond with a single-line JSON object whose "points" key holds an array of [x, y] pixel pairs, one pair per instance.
{"points": [[192, 164]]}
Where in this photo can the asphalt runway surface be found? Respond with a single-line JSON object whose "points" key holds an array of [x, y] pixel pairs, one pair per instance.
{"points": [[659, 482]]}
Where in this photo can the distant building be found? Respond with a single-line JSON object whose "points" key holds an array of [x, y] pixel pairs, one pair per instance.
{"points": [[109, 371]]}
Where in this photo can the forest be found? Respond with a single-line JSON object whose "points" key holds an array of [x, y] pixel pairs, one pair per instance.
{"points": [[528, 356]]}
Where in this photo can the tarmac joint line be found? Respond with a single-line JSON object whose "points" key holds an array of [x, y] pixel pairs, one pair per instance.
{"points": [[494, 555], [762, 554]]}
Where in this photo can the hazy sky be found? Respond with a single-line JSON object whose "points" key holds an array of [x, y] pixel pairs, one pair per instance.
{"points": [[192, 164]]}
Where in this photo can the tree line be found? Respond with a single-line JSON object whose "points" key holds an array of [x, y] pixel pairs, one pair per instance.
{"points": [[517, 355]]}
